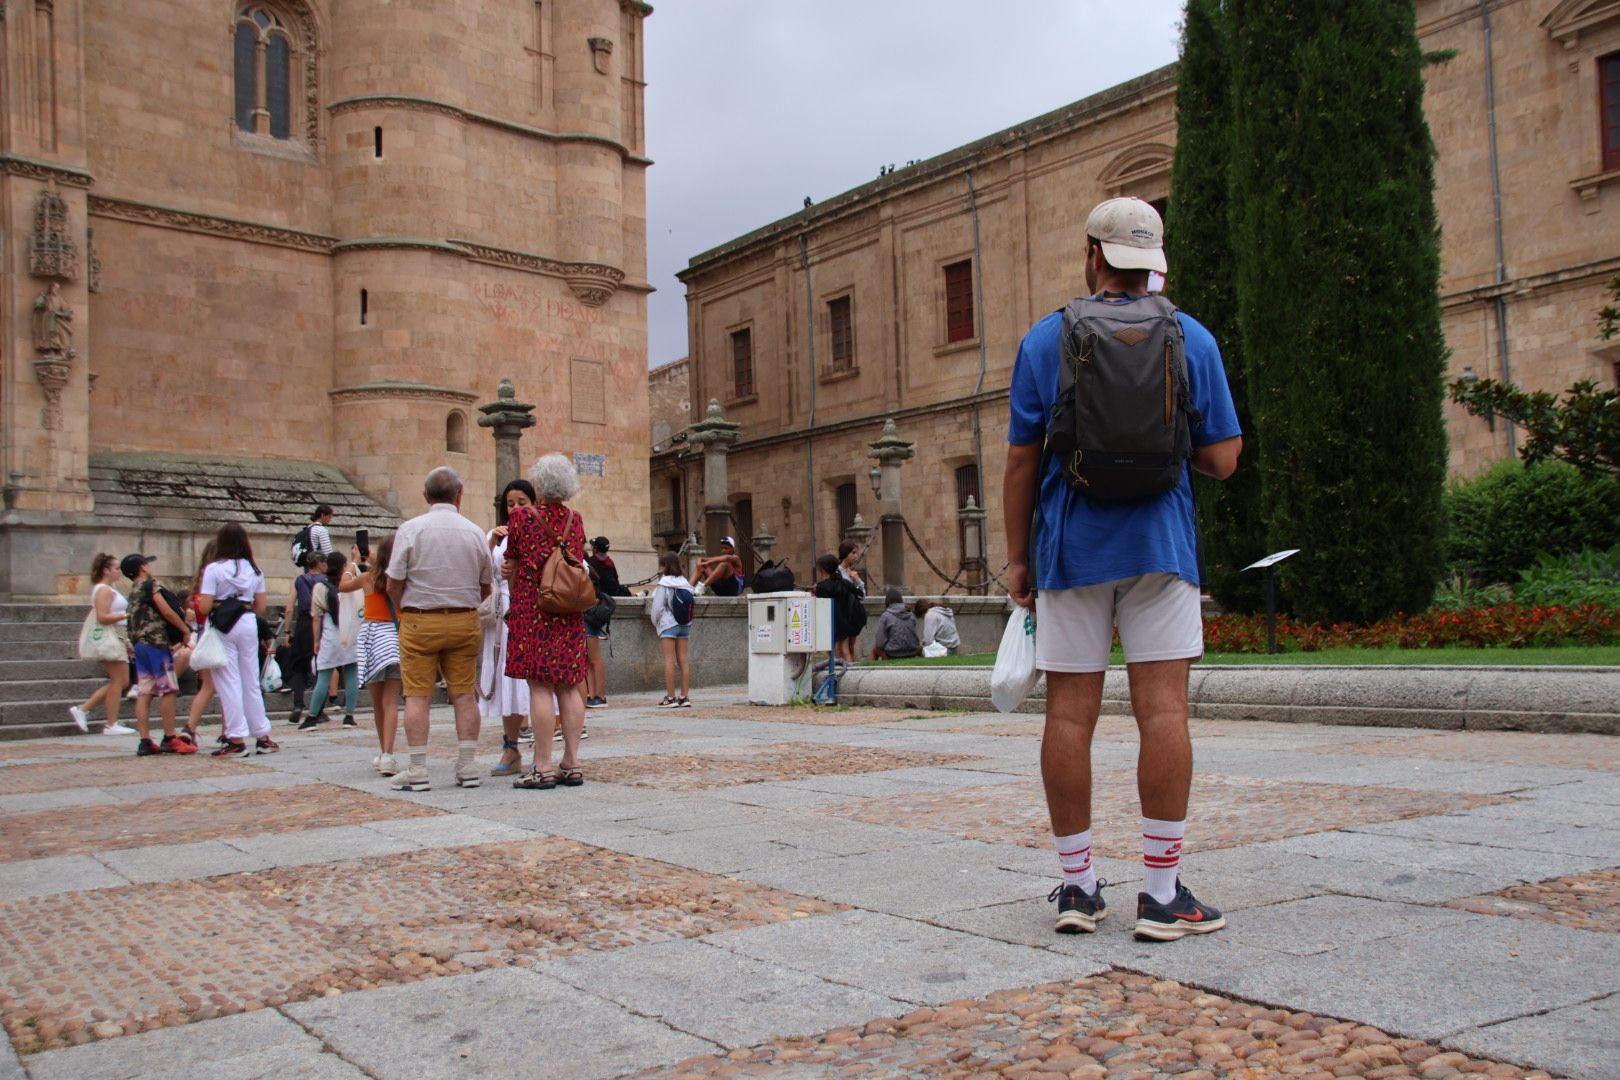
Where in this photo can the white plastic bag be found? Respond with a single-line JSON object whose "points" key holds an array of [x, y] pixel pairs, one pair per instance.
{"points": [[1014, 675], [270, 682], [348, 624], [934, 650], [209, 652]]}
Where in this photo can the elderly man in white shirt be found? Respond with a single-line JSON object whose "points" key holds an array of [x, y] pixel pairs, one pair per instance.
{"points": [[438, 574]]}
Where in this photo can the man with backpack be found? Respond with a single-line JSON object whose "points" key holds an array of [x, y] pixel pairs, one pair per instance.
{"points": [[1111, 400]]}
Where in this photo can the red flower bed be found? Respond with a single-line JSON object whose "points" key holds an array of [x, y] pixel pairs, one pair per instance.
{"points": [[1512, 626]]}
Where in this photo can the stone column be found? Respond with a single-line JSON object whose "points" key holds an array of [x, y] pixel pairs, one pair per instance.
{"points": [[891, 451], [972, 521], [763, 541], [507, 418], [714, 436]]}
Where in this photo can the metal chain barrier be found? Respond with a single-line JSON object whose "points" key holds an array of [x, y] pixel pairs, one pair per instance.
{"points": [[953, 582]]}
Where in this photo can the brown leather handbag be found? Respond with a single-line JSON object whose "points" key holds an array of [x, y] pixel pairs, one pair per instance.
{"points": [[565, 584]]}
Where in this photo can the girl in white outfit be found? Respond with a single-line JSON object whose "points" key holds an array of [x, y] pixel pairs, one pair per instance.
{"points": [[111, 607], [499, 696], [233, 575]]}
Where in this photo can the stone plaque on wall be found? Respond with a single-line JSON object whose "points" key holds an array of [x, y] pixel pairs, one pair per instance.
{"points": [[587, 390]]}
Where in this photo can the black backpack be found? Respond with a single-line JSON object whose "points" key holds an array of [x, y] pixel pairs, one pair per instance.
{"points": [[300, 547], [599, 614], [773, 577], [1122, 422]]}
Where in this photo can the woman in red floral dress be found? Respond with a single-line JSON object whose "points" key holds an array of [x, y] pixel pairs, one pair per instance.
{"points": [[545, 649]]}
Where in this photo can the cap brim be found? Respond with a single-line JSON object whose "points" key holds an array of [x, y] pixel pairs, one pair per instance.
{"points": [[1125, 257]]}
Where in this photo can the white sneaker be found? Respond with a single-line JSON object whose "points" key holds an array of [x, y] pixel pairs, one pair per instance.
{"points": [[79, 718], [470, 778], [118, 729], [410, 780], [386, 764], [700, 589]]}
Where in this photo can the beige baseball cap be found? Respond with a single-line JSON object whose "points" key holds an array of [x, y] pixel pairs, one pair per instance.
{"points": [[1131, 233]]}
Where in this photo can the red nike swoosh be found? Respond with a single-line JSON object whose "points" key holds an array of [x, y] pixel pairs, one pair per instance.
{"points": [[1197, 916]]}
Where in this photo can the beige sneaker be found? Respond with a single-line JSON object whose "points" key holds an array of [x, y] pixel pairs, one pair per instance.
{"points": [[468, 778], [385, 764], [410, 780]]}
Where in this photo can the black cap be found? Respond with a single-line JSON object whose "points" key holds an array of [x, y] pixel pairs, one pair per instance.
{"points": [[600, 543], [131, 564]]}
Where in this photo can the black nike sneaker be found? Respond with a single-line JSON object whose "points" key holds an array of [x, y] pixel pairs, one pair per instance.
{"points": [[1079, 912], [1182, 916]]}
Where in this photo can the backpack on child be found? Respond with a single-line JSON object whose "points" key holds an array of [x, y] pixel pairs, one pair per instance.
{"points": [[680, 605], [1122, 422]]}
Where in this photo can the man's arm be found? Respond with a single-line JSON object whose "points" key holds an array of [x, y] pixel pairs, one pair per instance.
{"points": [[396, 592], [1218, 459], [1020, 487]]}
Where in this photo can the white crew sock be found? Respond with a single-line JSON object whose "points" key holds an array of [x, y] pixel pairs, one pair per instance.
{"points": [[1074, 854], [466, 751], [418, 757], [1161, 857]]}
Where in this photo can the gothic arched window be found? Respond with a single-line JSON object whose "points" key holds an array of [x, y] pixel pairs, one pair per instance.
{"points": [[273, 50]]}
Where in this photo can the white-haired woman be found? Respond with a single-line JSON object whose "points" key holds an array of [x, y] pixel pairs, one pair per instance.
{"points": [[545, 649]]}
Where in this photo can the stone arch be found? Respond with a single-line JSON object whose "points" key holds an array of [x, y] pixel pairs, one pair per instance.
{"points": [[1143, 171], [455, 432]]}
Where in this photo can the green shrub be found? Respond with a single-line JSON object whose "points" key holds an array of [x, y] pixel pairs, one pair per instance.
{"points": [[1589, 576], [1459, 593], [1502, 520]]}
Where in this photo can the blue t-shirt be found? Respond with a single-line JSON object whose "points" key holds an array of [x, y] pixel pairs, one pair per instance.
{"points": [[1084, 542]]}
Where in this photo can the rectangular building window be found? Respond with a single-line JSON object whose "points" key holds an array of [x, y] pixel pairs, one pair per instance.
{"points": [[742, 363], [1609, 87], [959, 301], [845, 497], [842, 321]]}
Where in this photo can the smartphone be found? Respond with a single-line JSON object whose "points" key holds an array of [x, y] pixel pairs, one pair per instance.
{"points": [[362, 541]]}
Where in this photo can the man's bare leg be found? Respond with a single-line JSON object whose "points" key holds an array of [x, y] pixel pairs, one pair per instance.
{"points": [[1164, 762], [1073, 701]]}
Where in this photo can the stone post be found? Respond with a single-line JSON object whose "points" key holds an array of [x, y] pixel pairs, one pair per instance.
{"points": [[763, 541], [714, 436], [972, 521], [891, 451], [507, 418], [694, 552]]}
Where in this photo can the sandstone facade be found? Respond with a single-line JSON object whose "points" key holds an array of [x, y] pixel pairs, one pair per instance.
{"points": [[850, 312], [324, 232]]}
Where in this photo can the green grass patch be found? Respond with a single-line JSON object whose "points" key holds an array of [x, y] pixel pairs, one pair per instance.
{"points": [[1581, 655]]}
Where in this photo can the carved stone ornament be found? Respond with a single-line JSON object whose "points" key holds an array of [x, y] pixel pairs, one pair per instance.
{"points": [[52, 373], [51, 251], [53, 323], [601, 54], [92, 262], [592, 290]]}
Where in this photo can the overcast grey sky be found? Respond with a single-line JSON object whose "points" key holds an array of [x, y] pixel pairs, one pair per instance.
{"points": [[754, 104]]}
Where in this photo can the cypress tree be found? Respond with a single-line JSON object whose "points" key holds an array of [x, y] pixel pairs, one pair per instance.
{"points": [[1199, 249], [1338, 264]]}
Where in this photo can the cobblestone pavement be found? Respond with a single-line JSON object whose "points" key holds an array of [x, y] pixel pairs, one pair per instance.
{"points": [[1115, 1025], [1232, 810], [1582, 901], [742, 891]]}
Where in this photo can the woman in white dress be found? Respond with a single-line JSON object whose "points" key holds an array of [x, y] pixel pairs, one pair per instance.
{"points": [[111, 608], [498, 695]]}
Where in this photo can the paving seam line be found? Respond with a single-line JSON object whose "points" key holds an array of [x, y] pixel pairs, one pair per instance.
{"points": [[1536, 1012], [631, 1009], [816, 974], [326, 1047]]}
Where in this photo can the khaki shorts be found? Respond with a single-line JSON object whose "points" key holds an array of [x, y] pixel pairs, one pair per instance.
{"points": [[1159, 616], [432, 642]]}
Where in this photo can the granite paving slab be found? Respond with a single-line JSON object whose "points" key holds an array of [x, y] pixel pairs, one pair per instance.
{"points": [[1423, 856], [450, 830], [1577, 1040], [716, 994], [56, 800], [180, 862], [1495, 970], [247, 1046], [898, 958], [1491, 832], [509, 1023], [1322, 924], [56, 874]]}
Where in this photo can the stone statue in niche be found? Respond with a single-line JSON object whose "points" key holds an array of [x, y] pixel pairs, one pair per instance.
{"points": [[51, 251], [53, 323]]}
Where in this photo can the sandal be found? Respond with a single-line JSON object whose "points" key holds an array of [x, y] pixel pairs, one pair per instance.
{"points": [[509, 768], [537, 780], [570, 776]]}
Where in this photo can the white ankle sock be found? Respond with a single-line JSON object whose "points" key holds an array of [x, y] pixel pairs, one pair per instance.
{"points": [[1074, 853], [466, 751], [1161, 857], [418, 757]]}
